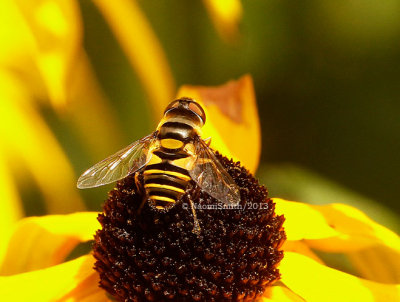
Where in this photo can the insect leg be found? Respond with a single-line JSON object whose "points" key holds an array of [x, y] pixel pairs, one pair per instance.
{"points": [[141, 205], [141, 191], [138, 184], [196, 227], [195, 192]]}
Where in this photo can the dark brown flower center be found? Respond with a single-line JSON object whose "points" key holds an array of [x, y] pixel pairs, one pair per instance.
{"points": [[155, 256]]}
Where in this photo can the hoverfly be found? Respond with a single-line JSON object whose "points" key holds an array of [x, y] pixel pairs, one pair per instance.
{"points": [[169, 158]]}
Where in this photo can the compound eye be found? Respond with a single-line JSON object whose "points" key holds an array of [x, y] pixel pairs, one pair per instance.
{"points": [[196, 108], [173, 104]]}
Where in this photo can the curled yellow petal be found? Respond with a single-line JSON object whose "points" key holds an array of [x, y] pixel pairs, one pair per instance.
{"points": [[71, 281], [353, 223], [232, 119], [142, 48], [226, 16], [373, 250], [377, 261], [334, 227], [315, 282], [39, 242], [56, 28], [303, 221]]}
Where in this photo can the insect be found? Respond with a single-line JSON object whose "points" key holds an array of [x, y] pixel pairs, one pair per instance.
{"points": [[169, 158]]}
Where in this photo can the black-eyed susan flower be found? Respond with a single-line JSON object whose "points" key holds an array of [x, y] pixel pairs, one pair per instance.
{"points": [[156, 256], [45, 50], [33, 267], [305, 277]]}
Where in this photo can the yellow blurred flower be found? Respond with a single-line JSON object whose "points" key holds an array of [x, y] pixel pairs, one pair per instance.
{"points": [[226, 16], [43, 63]]}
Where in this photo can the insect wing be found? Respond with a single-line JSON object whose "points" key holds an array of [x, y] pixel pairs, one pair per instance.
{"points": [[118, 165], [211, 176]]}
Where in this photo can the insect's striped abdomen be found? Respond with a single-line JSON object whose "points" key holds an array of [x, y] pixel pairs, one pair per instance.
{"points": [[165, 183], [165, 180]]}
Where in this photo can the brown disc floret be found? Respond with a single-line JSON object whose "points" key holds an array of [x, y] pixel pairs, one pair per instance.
{"points": [[155, 256]]}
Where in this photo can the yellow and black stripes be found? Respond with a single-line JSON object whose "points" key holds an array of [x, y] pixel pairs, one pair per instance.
{"points": [[165, 183], [179, 131]]}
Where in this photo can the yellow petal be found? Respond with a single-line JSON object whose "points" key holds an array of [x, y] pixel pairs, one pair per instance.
{"points": [[303, 221], [232, 119], [32, 140], [10, 206], [56, 28], [300, 247], [71, 281], [334, 228], [373, 250], [353, 223], [17, 43], [280, 293], [377, 263], [226, 16], [315, 282], [39, 242], [142, 48], [91, 112]]}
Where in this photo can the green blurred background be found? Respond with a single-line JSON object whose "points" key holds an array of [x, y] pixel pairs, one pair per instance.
{"points": [[327, 79]]}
